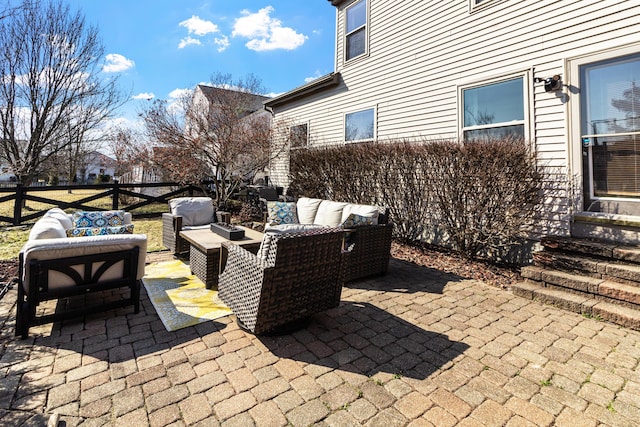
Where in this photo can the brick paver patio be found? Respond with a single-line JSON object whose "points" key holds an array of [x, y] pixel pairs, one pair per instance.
{"points": [[417, 347]]}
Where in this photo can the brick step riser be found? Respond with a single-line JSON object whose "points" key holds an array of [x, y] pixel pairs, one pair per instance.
{"points": [[608, 296], [623, 273], [588, 307]]}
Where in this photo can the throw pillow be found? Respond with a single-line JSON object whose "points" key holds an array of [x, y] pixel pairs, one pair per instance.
{"points": [[282, 213], [82, 219], [355, 220], [99, 231]]}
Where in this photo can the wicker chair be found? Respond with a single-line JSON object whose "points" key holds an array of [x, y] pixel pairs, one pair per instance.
{"points": [[300, 276], [186, 213]]}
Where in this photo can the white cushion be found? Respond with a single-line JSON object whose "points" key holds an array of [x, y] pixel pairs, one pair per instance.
{"points": [[193, 210], [60, 215], [368, 211], [307, 209], [330, 213], [47, 228]]}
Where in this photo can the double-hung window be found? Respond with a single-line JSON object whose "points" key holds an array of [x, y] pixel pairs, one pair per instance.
{"points": [[494, 110], [356, 30], [359, 125]]}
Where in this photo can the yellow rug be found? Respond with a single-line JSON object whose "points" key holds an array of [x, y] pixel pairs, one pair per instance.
{"points": [[179, 297]]}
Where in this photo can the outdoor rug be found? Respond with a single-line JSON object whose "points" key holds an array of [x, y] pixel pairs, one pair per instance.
{"points": [[179, 297]]}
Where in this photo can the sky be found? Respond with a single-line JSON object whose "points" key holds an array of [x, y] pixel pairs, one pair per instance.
{"points": [[159, 48]]}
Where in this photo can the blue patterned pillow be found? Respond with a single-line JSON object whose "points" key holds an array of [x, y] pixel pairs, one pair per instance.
{"points": [[355, 220], [282, 213], [99, 231], [83, 219]]}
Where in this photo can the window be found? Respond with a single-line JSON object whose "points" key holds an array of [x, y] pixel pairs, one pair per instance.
{"points": [[299, 136], [358, 126], [494, 110], [356, 30]]}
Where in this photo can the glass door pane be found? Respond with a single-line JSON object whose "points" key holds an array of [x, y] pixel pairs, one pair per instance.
{"points": [[610, 127]]}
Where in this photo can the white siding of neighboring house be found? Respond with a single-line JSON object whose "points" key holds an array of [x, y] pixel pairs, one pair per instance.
{"points": [[421, 52]]}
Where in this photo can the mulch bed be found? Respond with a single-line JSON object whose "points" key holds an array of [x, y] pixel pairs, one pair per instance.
{"points": [[450, 262]]}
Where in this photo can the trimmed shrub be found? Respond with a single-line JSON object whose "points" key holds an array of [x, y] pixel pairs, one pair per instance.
{"points": [[476, 197]]}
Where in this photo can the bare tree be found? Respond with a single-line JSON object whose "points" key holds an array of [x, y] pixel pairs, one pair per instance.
{"points": [[51, 90], [219, 131]]}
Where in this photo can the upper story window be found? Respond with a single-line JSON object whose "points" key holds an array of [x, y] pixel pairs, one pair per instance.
{"points": [[494, 110], [356, 30], [299, 136], [359, 125]]}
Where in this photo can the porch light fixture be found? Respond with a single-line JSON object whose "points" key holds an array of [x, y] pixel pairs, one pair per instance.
{"points": [[550, 83]]}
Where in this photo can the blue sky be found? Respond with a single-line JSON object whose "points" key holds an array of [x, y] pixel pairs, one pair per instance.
{"points": [[160, 47]]}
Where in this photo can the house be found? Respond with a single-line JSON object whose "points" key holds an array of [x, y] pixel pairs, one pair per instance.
{"points": [[94, 165], [232, 112], [565, 75]]}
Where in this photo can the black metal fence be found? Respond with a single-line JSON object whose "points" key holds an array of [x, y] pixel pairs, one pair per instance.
{"points": [[129, 197]]}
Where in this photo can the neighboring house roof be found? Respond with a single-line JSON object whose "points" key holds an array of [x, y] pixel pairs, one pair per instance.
{"points": [[317, 85], [251, 101]]}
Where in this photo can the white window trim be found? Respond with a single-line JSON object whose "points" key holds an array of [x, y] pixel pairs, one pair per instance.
{"points": [[527, 83], [366, 33], [375, 125]]}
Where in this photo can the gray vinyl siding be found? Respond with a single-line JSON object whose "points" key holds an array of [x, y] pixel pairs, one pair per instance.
{"points": [[420, 53]]}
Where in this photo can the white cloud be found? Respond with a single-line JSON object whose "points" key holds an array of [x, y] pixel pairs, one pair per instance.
{"points": [[222, 43], [312, 78], [199, 26], [144, 95], [187, 41], [175, 103], [116, 63], [265, 32], [180, 93]]}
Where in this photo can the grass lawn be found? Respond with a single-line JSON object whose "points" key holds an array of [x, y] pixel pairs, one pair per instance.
{"points": [[13, 238]]}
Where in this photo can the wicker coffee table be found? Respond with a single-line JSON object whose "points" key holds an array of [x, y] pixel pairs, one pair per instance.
{"points": [[204, 251]]}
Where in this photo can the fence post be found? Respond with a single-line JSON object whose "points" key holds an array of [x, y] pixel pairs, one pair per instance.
{"points": [[116, 195], [190, 190], [17, 206]]}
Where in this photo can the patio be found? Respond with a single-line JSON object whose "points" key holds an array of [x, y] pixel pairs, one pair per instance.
{"points": [[416, 347]]}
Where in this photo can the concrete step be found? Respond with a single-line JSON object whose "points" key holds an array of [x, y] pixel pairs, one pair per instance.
{"points": [[579, 303], [589, 266]]}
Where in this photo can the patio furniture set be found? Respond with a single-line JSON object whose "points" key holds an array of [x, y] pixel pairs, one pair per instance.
{"points": [[271, 281]]}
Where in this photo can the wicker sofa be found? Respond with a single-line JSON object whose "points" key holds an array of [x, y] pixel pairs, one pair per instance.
{"points": [[53, 266], [292, 277], [367, 238]]}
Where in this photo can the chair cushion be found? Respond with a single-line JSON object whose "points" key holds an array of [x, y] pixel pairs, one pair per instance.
{"points": [[307, 209], [355, 220], [362, 210], [47, 228], [330, 213], [282, 213], [83, 219], [193, 210], [99, 231], [60, 215]]}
